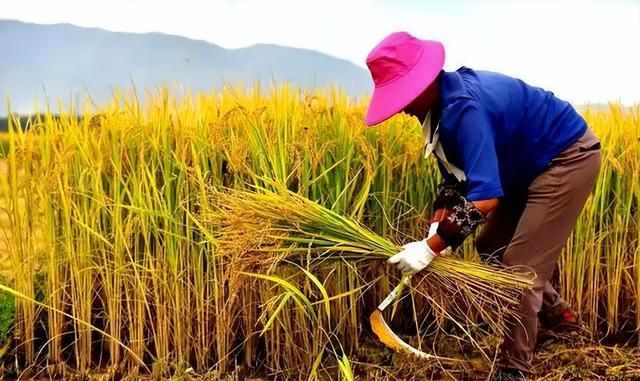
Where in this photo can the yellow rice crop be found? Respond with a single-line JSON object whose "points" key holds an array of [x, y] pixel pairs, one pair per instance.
{"points": [[103, 231]]}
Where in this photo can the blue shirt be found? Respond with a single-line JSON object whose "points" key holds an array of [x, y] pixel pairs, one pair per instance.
{"points": [[500, 131]]}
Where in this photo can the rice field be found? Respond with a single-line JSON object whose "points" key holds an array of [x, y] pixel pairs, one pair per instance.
{"points": [[131, 254]]}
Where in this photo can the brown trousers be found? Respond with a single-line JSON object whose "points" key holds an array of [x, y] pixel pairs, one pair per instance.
{"points": [[531, 230]]}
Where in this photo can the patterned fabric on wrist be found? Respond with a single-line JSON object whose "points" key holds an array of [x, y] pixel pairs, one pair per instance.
{"points": [[449, 195], [461, 222]]}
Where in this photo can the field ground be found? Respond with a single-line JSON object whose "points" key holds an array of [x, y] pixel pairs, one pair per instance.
{"points": [[568, 357], [557, 360]]}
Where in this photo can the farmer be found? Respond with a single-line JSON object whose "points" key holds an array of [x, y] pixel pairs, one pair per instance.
{"points": [[512, 157]]}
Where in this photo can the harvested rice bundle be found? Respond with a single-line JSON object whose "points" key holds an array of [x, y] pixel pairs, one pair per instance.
{"points": [[265, 227]]}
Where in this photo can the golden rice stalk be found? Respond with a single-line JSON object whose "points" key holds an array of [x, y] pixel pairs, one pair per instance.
{"points": [[264, 227]]}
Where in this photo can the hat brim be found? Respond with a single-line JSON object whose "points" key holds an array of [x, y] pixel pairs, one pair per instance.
{"points": [[391, 98]]}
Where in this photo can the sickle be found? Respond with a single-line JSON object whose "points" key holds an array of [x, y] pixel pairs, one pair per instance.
{"points": [[387, 336]]}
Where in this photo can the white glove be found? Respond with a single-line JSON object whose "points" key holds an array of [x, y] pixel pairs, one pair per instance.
{"points": [[433, 229], [415, 257]]}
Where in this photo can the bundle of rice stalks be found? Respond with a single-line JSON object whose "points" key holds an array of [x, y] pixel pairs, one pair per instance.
{"points": [[265, 227]]}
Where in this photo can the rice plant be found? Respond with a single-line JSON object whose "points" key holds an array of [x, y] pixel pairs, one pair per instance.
{"points": [[112, 233]]}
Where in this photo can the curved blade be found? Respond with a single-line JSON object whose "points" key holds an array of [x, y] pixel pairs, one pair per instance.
{"points": [[390, 339], [387, 336]]}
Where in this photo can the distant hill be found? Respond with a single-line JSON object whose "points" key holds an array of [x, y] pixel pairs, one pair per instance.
{"points": [[65, 60]]}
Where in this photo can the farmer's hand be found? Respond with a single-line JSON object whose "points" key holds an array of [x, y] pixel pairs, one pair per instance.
{"points": [[415, 257]]}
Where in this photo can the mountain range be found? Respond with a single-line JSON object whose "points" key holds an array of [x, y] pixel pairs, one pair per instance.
{"points": [[64, 61]]}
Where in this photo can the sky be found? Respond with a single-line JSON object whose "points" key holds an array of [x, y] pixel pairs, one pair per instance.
{"points": [[585, 51]]}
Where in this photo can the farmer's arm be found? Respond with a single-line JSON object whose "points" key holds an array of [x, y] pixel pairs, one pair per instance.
{"points": [[484, 206], [468, 132]]}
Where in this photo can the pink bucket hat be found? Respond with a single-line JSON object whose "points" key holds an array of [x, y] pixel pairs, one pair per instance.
{"points": [[402, 67]]}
